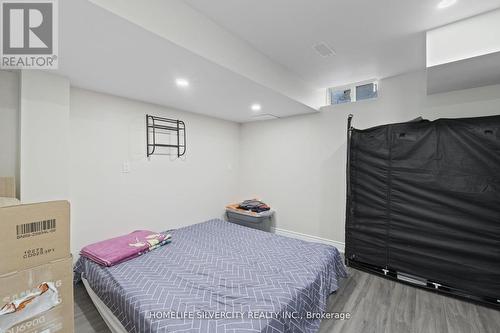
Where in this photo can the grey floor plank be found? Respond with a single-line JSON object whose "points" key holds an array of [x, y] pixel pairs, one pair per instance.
{"points": [[401, 310], [376, 305], [87, 318], [430, 314]]}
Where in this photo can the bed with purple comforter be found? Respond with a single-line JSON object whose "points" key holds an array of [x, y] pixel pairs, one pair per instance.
{"points": [[220, 277]]}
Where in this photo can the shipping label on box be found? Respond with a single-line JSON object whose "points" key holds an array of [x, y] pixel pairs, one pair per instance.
{"points": [[38, 300], [34, 234]]}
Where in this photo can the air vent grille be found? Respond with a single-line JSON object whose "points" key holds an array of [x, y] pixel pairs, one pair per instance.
{"points": [[265, 116], [324, 50]]}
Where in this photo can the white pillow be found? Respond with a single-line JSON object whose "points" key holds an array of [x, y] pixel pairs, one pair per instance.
{"points": [[4, 202]]}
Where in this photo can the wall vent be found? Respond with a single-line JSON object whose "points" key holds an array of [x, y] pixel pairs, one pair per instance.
{"points": [[264, 116], [324, 50]]}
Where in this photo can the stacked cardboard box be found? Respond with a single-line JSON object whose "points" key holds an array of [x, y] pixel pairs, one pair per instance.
{"points": [[36, 279]]}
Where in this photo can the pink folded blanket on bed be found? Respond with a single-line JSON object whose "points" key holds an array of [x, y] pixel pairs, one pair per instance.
{"points": [[117, 250]]}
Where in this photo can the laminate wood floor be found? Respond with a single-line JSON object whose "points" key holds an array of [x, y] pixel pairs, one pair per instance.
{"points": [[376, 305]]}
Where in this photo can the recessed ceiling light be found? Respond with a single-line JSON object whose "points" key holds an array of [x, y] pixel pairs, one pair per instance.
{"points": [[446, 3], [182, 82], [256, 107]]}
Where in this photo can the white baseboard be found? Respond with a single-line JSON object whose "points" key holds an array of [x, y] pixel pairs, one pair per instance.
{"points": [[292, 234]]}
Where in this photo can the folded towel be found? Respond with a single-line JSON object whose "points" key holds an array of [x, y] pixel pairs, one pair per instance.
{"points": [[168, 239], [117, 250], [254, 206]]}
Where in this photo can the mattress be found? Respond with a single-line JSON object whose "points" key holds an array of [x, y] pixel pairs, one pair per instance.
{"points": [[219, 277]]}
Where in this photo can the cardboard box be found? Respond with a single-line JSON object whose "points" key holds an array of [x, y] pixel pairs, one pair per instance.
{"points": [[38, 300], [32, 235]]}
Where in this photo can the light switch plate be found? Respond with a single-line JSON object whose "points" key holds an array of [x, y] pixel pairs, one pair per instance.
{"points": [[126, 167]]}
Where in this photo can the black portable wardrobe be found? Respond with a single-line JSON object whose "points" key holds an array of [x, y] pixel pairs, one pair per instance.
{"points": [[423, 204]]}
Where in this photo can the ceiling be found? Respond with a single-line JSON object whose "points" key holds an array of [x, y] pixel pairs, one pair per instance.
{"points": [[372, 39], [104, 52], [236, 53]]}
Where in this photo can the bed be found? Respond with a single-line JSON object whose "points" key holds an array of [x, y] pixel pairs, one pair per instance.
{"points": [[217, 277]]}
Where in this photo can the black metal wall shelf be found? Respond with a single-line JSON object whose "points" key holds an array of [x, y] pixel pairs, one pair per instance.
{"points": [[159, 125]]}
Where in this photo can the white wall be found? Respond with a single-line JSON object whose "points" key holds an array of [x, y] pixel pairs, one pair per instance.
{"points": [[9, 124], [297, 164], [44, 136], [74, 144], [161, 193], [472, 37]]}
